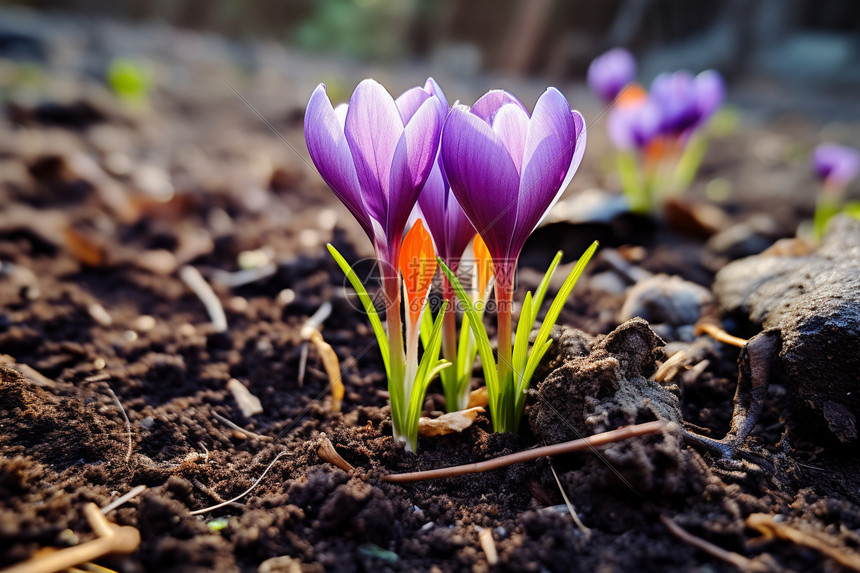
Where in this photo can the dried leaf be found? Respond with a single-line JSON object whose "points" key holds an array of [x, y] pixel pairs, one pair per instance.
{"points": [[332, 368], [249, 404], [448, 423], [479, 398]]}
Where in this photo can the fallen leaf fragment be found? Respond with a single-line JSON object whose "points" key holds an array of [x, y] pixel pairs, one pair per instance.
{"points": [[332, 368], [479, 397], [448, 423], [249, 404]]}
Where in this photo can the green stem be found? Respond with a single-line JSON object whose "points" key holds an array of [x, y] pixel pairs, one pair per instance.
{"points": [[503, 420], [451, 381], [396, 356]]}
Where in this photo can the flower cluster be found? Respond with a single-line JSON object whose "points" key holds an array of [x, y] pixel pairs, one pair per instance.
{"points": [[836, 166], [487, 175], [658, 132]]}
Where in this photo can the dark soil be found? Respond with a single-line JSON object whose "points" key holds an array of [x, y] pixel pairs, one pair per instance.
{"points": [[79, 244]]}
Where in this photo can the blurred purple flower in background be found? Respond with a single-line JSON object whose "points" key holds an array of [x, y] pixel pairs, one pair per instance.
{"points": [[836, 164], [686, 101], [609, 73], [634, 121]]}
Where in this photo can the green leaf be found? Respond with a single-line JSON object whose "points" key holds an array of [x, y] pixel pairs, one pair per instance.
{"points": [[428, 368], [372, 315], [542, 342], [688, 164], [482, 341], [426, 326], [544, 284], [521, 339], [631, 182]]}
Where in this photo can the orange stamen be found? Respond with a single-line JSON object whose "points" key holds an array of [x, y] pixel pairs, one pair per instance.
{"points": [[483, 264], [631, 95], [417, 265]]}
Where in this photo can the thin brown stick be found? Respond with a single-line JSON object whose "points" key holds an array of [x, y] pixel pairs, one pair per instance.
{"points": [[528, 455], [239, 428], [719, 334], [736, 559]]}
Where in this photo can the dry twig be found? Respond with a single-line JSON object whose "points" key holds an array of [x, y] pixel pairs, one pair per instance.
{"points": [[134, 492], [110, 538], [528, 455], [570, 508], [327, 453], [239, 428], [736, 559]]}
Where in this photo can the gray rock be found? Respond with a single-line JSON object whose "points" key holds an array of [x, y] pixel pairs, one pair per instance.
{"points": [[667, 301], [813, 300]]}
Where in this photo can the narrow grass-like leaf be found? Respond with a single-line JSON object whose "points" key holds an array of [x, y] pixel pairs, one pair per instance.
{"points": [[540, 345], [426, 327], [482, 341], [540, 292], [372, 315], [428, 367], [521, 339]]}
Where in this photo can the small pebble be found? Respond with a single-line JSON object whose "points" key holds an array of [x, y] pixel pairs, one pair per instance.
{"points": [[130, 335], [286, 296], [238, 304], [99, 314], [99, 363], [144, 323], [186, 330], [309, 238], [254, 259], [327, 219]]}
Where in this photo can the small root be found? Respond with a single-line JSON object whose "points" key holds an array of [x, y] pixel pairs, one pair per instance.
{"points": [[570, 508], [488, 544], [135, 491], [719, 334], [736, 559], [244, 493]]}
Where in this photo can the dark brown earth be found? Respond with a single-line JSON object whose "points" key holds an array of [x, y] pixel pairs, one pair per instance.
{"points": [[78, 244]]}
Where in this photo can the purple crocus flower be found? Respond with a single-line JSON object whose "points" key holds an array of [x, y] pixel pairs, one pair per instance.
{"points": [[507, 169], [610, 72], [686, 101], [445, 219], [836, 164], [376, 155], [634, 121]]}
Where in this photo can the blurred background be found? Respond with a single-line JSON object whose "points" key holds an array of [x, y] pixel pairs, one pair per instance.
{"points": [[165, 98]]}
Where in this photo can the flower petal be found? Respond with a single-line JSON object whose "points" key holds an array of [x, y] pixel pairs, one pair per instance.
{"points": [[491, 102], [417, 266], [549, 152], [413, 159], [482, 176], [373, 128], [433, 89], [409, 102], [511, 124], [330, 153]]}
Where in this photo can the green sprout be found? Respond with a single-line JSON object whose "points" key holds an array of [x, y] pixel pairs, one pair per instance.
{"points": [[130, 80]]}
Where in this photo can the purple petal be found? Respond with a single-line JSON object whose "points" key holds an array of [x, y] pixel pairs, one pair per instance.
{"points": [[330, 153], [433, 89], [710, 91], [373, 129], [413, 159], [482, 176], [491, 102], [675, 96], [549, 151], [610, 72], [633, 126], [511, 124], [459, 231], [433, 201], [836, 163], [409, 102]]}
